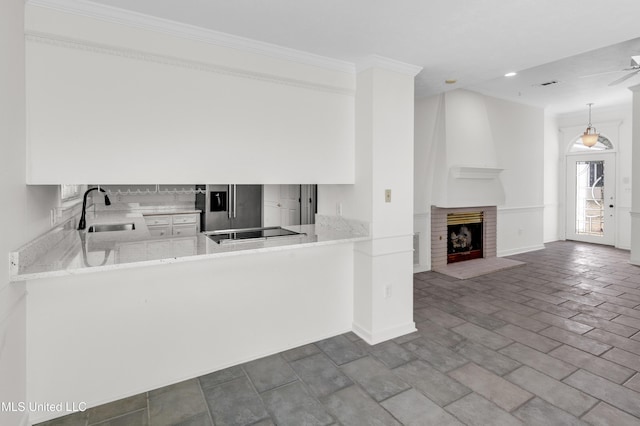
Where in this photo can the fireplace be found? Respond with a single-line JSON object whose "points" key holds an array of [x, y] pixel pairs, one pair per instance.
{"points": [[462, 233], [464, 236]]}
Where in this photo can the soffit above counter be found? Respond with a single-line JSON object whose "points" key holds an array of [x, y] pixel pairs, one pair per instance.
{"points": [[133, 19]]}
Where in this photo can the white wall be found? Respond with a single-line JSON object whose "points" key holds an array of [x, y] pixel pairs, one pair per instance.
{"points": [[115, 104], [518, 132], [517, 138], [634, 230], [427, 132], [616, 124], [552, 168], [99, 337], [25, 211], [426, 111]]}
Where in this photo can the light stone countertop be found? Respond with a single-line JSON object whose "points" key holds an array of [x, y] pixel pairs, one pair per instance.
{"points": [[80, 252]]}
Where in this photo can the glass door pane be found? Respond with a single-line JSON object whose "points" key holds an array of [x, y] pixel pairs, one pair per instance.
{"points": [[589, 210]]}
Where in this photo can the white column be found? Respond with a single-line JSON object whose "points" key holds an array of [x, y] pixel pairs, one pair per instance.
{"points": [[383, 283], [635, 178], [17, 219]]}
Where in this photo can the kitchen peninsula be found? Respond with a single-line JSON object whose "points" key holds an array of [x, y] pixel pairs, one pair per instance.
{"points": [[177, 307]]}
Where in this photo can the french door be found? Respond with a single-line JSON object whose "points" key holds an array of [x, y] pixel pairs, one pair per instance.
{"points": [[591, 198]]}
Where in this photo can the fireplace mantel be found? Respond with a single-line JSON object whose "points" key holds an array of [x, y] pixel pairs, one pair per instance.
{"points": [[475, 172]]}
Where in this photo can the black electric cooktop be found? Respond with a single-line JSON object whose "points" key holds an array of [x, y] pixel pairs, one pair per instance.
{"points": [[235, 235]]}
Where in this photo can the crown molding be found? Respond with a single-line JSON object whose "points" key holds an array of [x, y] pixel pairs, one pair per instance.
{"points": [[139, 20], [70, 43], [635, 88], [376, 61]]}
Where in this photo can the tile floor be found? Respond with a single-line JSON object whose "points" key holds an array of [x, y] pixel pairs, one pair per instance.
{"points": [[554, 342]]}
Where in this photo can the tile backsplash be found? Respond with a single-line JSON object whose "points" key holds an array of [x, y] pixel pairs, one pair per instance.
{"points": [[138, 196]]}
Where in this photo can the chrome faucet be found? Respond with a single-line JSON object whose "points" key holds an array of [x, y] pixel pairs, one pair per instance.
{"points": [[83, 222]]}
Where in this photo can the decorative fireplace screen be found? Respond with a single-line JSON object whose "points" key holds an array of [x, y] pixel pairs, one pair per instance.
{"points": [[464, 236]]}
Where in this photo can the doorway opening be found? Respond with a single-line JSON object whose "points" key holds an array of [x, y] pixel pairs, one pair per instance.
{"points": [[590, 192]]}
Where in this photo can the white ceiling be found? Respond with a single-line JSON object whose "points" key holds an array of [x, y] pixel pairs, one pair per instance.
{"points": [[473, 41], [580, 79]]}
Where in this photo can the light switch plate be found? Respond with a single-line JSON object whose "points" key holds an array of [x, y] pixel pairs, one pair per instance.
{"points": [[387, 195]]}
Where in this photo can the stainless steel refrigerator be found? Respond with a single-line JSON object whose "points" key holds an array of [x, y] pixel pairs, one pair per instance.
{"points": [[230, 207], [308, 204]]}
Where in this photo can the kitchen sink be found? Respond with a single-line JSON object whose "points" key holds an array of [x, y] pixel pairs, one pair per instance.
{"points": [[112, 227]]}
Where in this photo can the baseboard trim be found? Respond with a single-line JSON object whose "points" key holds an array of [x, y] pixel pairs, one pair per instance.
{"points": [[511, 252], [552, 239], [383, 335], [420, 268]]}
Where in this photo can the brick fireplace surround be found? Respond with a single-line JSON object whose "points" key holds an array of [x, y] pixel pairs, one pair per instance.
{"points": [[439, 232]]}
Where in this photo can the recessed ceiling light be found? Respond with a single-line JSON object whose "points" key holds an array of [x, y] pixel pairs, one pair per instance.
{"points": [[451, 81], [510, 74]]}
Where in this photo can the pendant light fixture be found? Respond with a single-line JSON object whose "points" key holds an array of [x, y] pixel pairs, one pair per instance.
{"points": [[590, 136]]}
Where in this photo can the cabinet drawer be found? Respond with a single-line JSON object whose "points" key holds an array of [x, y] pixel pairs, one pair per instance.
{"points": [[157, 220], [190, 218], [159, 231], [185, 230]]}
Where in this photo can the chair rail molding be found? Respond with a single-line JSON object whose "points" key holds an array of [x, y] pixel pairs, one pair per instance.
{"points": [[520, 209]]}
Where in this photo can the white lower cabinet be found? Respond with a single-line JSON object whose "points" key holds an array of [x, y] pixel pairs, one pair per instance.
{"points": [[159, 249], [184, 246], [131, 252], [173, 224], [163, 225], [155, 250]]}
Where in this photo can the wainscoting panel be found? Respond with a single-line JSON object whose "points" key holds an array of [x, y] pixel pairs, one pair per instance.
{"points": [[520, 229]]}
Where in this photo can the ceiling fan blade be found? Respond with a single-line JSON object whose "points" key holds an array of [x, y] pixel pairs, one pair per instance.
{"points": [[626, 77]]}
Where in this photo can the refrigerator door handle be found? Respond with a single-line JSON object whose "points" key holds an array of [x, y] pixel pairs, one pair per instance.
{"points": [[228, 204], [234, 201]]}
